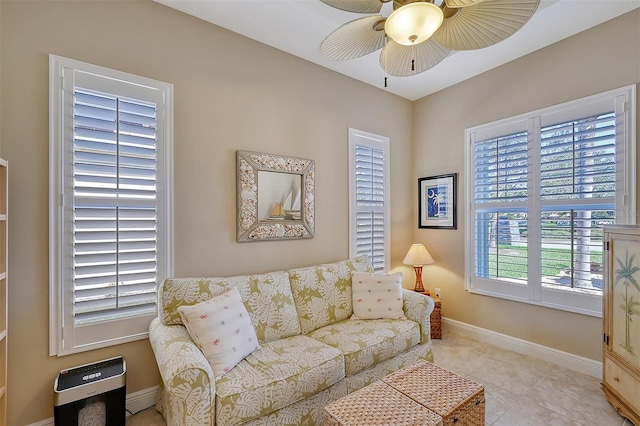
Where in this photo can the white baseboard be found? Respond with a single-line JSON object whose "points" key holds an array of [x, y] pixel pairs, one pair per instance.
{"points": [[142, 399], [136, 401], [564, 359]]}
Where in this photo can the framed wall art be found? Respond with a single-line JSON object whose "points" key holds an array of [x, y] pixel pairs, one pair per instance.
{"points": [[437, 202]]}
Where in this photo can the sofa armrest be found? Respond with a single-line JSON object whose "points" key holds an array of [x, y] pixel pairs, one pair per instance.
{"points": [[418, 307], [188, 382]]}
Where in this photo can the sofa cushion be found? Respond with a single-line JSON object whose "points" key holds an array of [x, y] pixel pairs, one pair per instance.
{"points": [[377, 296], [222, 329], [323, 293], [281, 373], [267, 298], [365, 343]]}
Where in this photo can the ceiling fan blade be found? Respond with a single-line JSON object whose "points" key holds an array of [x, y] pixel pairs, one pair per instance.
{"points": [[484, 24], [461, 3], [357, 6], [403, 61], [354, 39]]}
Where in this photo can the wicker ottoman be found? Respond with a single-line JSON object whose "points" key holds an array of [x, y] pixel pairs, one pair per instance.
{"points": [[421, 394], [456, 399], [378, 405]]}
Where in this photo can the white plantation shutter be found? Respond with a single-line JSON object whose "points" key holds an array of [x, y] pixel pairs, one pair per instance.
{"points": [[111, 203], [578, 159], [541, 186], [369, 197], [370, 203], [578, 197], [114, 197], [501, 176]]}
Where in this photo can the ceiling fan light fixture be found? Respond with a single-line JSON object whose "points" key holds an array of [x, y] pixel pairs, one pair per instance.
{"points": [[413, 23]]}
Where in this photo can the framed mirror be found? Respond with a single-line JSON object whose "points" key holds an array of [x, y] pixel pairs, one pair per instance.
{"points": [[275, 196]]}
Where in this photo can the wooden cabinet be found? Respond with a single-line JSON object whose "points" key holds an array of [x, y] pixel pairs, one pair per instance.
{"points": [[621, 319], [3, 291]]}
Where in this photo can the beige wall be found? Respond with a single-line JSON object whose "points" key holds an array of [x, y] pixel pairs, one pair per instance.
{"points": [[230, 93], [603, 58]]}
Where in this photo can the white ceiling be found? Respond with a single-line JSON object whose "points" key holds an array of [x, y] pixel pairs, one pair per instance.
{"points": [[299, 26]]}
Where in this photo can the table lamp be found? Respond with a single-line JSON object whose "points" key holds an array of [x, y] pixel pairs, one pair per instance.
{"points": [[418, 256]]}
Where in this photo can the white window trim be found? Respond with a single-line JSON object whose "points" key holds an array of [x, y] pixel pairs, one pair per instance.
{"points": [[624, 101], [61, 342], [361, 138]]}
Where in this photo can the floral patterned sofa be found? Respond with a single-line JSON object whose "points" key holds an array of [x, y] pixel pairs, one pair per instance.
{"points": [[311, 352]]}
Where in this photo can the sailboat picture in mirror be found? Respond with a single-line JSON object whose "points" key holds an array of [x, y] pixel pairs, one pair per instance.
{"points": [[292, 205], [275, 197], [287, 210], [279, 196]]}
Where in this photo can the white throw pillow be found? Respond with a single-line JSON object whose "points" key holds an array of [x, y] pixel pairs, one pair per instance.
{"points": [[377, 296], [222, 329]]}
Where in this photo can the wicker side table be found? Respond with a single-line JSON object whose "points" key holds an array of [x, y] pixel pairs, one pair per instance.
{"points": [[436, 318]]}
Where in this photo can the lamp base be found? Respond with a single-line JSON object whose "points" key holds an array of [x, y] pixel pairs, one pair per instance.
{"points": [[419, 288]]}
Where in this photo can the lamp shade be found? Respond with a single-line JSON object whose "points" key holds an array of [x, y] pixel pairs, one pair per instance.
{"points": [[413, 23], [418, 255]]}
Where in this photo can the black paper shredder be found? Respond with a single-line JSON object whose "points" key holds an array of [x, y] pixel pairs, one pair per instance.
{"points": [[91, 394]]}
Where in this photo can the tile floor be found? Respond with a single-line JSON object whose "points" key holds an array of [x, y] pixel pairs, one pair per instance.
{"points": [[519, 390], [522, 390]]}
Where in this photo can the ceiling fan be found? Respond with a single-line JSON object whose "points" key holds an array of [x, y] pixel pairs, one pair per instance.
{"points": [[419, 34]]}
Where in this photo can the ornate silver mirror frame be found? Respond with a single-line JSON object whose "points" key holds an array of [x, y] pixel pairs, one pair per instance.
{"points": [[290, 207]]}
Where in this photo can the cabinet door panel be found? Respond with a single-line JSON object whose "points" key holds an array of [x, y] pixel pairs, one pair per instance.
{"points": [[624, 278]]}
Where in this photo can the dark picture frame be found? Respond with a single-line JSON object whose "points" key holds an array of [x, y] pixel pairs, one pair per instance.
{"points": [[437, 202]]}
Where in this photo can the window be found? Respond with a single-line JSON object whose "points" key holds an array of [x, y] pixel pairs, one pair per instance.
{"points": [[110, 203], [369, 197], [540, 188]]}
